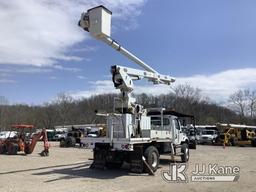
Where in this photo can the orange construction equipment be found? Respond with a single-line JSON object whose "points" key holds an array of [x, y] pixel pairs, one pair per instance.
{"points": [[23, 142]]}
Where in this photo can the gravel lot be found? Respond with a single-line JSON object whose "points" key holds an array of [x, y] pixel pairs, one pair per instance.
{"points": [[67, 169]]}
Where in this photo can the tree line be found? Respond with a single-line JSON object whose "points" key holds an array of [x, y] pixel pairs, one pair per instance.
{"points": [[65, 110]]}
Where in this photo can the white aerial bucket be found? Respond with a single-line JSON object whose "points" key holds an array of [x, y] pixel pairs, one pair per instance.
{"points": [[97, 21]]}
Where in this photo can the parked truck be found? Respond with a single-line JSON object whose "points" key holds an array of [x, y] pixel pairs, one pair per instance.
{"points": [[188, 127], [72, 137], [134, 134], [99, 131], [208, 136]]}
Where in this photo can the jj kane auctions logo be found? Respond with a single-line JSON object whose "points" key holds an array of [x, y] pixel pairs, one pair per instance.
{"points": [[201, 173]]}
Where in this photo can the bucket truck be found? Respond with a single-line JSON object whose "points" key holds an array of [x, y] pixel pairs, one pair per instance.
{"points": [[134, 134]]}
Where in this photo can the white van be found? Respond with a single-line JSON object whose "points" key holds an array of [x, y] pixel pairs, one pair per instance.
{"points": [[7, 134]]}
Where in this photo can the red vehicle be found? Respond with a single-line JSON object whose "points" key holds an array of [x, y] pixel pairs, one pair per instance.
{"points": [[23, 142]]}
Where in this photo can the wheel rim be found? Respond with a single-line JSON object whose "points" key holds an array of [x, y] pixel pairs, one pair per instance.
{"points": [[154, 159]]}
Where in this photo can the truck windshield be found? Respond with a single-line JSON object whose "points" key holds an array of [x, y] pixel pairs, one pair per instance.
{"points": [[94, 132], [192, 132], [59, 132], [208, 132]]}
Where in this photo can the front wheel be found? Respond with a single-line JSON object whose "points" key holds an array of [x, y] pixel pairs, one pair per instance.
{"points": [[253, 142], [233, 141], [193, 144], [152, 157], [185, 153]]}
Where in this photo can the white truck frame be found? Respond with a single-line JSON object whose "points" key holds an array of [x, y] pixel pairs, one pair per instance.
{"points": [[134, 134]]}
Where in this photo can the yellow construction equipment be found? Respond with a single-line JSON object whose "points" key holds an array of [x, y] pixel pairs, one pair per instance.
{"points": [[236, 135]]}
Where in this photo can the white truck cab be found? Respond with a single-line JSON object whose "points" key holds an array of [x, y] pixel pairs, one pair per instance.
{"points": [[208, 136]]}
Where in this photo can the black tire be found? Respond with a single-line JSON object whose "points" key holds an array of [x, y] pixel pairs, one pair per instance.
{"points": [[192, 145], [3, 149], [185, 153], [253, 142], [233, 141], [13, 149], [152, 157], [114, 159], [114, 165], [214, 140], [70, 142], [62, 143]]}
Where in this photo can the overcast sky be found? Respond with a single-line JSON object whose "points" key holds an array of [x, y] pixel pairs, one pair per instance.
{"points": [[208, 44]]}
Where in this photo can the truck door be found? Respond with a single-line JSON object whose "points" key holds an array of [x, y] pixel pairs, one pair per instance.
{"points": [[176, 131], [167, 128]]}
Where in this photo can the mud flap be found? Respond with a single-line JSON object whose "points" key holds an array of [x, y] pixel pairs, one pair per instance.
{"points": [[99, 159], [136, 160]]}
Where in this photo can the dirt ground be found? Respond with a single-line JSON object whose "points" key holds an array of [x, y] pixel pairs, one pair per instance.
{"points": [[67, 169]]}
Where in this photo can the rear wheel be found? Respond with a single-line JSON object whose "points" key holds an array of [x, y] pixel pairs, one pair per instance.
{"points": [[3, 149], [114, 165], [62, 142], [70, 142], [114, 159], [253, 142], [152, 157], [13, 149], [185, 153]]}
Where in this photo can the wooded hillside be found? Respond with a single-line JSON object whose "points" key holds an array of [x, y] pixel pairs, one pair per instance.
{"points": [[65, 110]]}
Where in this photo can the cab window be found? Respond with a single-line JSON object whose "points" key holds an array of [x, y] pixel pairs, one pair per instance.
{"points": [[156, 122], [177, 125]]}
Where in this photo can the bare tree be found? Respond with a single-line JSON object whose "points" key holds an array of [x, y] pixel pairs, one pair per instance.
{"points": [[48, 115], [186, 98], [3, 112], [239, 102], [63, 103], [250, 97], [188, 92], [244, 102]]}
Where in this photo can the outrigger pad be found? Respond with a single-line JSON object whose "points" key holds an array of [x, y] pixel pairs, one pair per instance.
{"points": [[148, 168], [44, 153]]}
